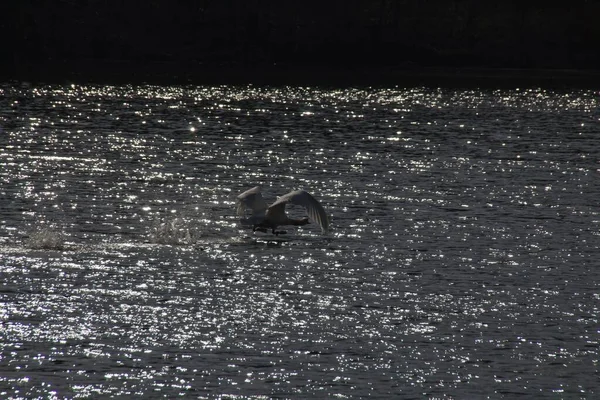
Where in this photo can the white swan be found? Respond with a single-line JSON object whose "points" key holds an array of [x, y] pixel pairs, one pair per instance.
{"points": [[265, 217]]}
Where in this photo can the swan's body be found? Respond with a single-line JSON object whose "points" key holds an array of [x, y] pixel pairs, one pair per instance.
{"points": [[265, 217]]}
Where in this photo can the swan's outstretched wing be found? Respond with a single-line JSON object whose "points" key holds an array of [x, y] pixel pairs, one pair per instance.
{"points": [[302, 198], [251, 199]]}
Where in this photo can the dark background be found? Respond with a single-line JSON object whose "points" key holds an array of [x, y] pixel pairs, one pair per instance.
{"points": [[253, 40]]}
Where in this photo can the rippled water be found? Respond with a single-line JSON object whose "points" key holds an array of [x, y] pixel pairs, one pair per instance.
{"points": [[462, 260]]}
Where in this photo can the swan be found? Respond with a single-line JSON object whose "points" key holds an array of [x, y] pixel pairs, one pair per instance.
{"points": [[265, 217]]}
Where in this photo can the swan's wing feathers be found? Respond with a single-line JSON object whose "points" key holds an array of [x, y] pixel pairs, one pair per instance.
{"points": [[250, 192], [302, 198], [251, 199]]}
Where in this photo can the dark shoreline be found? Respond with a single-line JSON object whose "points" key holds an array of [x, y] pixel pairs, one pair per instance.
{"points": [[125, 72], [336, 43]]}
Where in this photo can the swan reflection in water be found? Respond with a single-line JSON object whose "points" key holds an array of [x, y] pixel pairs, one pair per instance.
{"points": [[264, 217]]}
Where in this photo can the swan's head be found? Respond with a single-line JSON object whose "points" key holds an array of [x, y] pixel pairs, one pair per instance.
{"points": [[299, 222], [303, 221]]}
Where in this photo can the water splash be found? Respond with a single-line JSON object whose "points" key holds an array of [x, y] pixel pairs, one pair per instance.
{"points": [[172, 232], [45, 239]]}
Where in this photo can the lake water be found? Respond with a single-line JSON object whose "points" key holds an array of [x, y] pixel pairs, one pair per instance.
{"points": [[462, 261]]}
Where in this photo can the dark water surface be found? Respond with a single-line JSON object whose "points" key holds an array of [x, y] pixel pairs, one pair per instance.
{"points": [[463, 259]]}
